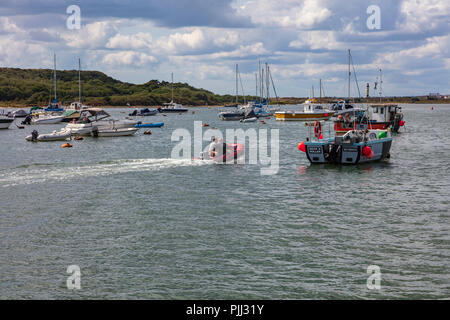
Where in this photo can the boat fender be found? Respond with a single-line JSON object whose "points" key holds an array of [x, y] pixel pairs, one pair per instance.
{"points": [[367, 152], [301, 146], [66, 145], [401, 123]]}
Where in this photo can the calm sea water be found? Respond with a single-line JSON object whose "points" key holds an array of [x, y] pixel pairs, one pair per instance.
{"points": [[142, 225]]}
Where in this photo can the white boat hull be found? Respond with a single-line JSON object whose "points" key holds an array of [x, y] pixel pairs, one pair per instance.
{"points": [[6, 123], [85, 129], [55, 136], [49, 120], [116, 132]]}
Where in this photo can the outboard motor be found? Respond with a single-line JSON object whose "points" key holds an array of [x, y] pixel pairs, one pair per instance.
{"points": [[133, 113], [27, 120], [34, 135], [95, 132]]}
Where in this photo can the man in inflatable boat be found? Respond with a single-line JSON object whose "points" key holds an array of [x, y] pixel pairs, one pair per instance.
{"points": [[218, 148]]}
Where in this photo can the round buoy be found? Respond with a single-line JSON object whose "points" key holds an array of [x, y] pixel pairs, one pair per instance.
{"points": [[164, 115], [367, 152], [267, 117], [66, 145], [432, 108], [193, 112], [301, 146], [340, 117], [148, 132], [262, 121], [78, 138], [206, 125], [401, 123]]}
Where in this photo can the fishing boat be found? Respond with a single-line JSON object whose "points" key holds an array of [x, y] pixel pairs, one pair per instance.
{"points": [[113, 132], [5, 121], [172, 107], [54, 136], [150, 125], [143, 112], [99, 118], [45, 118], [356, 146]]}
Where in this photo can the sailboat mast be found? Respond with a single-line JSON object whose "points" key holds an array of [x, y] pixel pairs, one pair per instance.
{"points": [[381, 84], [54, 74], [256, 83], [260, 81], [172, 86], [349, 74], [79, 80], [320, 93], [237, 88], [267, 82]]}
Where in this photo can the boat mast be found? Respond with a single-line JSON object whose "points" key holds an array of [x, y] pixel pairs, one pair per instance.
{"points": [[79, 80], [260, 81], [172, 86], [237, 88], [320, 94], [54, 74], [381, 83], [256, 82], [267, 82], [349, 75]]}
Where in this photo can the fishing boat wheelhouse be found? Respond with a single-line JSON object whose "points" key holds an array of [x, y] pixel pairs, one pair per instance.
{"points": [[377, 117]]}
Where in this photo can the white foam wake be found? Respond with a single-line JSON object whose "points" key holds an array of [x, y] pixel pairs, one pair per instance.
{"points": [[41, 174]]}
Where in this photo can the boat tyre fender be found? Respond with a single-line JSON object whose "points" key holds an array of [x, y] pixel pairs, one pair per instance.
{"points": [[95, 132]]}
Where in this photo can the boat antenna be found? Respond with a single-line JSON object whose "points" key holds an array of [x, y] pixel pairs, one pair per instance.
{"points": [[356, 79]]}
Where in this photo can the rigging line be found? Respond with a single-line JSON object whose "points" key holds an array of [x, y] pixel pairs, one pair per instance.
{"points": [[356, 79], [242, 87], [273, 85]]}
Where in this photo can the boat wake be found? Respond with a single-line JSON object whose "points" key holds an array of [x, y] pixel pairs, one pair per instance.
{"points": [[33, 174]]}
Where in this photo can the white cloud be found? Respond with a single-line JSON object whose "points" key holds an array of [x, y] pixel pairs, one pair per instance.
{"points": [[315, 40], [422, 15], [94, 35], [128, 58], [140, 40], [287, 13]]}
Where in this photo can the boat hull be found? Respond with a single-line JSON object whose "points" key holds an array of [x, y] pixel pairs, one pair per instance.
{"points": [[346, 153], [6, 123], [51, 120], [58, 136], [302, 116], [168, 110], [150, 125], [115, 132]]}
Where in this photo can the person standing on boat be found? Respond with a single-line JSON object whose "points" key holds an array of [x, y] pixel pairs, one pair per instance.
{"points": [[214, 148]]}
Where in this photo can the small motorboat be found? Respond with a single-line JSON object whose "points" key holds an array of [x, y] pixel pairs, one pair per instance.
{"points": [[119, 132], [47, 119], [235, 150], [253, 119], [54, 136], [19, 114], [144, 112], [150, 125]]}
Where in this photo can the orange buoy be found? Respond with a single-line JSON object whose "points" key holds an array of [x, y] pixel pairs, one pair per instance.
{"points": [[301, 146], [148, 132], [206, 125], [367, 152], [78, 138], [164, 115], [66, 145]]}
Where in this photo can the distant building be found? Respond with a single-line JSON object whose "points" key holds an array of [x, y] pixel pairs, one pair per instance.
{"points": [[434, 96]]}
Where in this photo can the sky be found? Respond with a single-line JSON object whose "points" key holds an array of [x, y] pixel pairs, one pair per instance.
{"points": [[200, 41]]}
